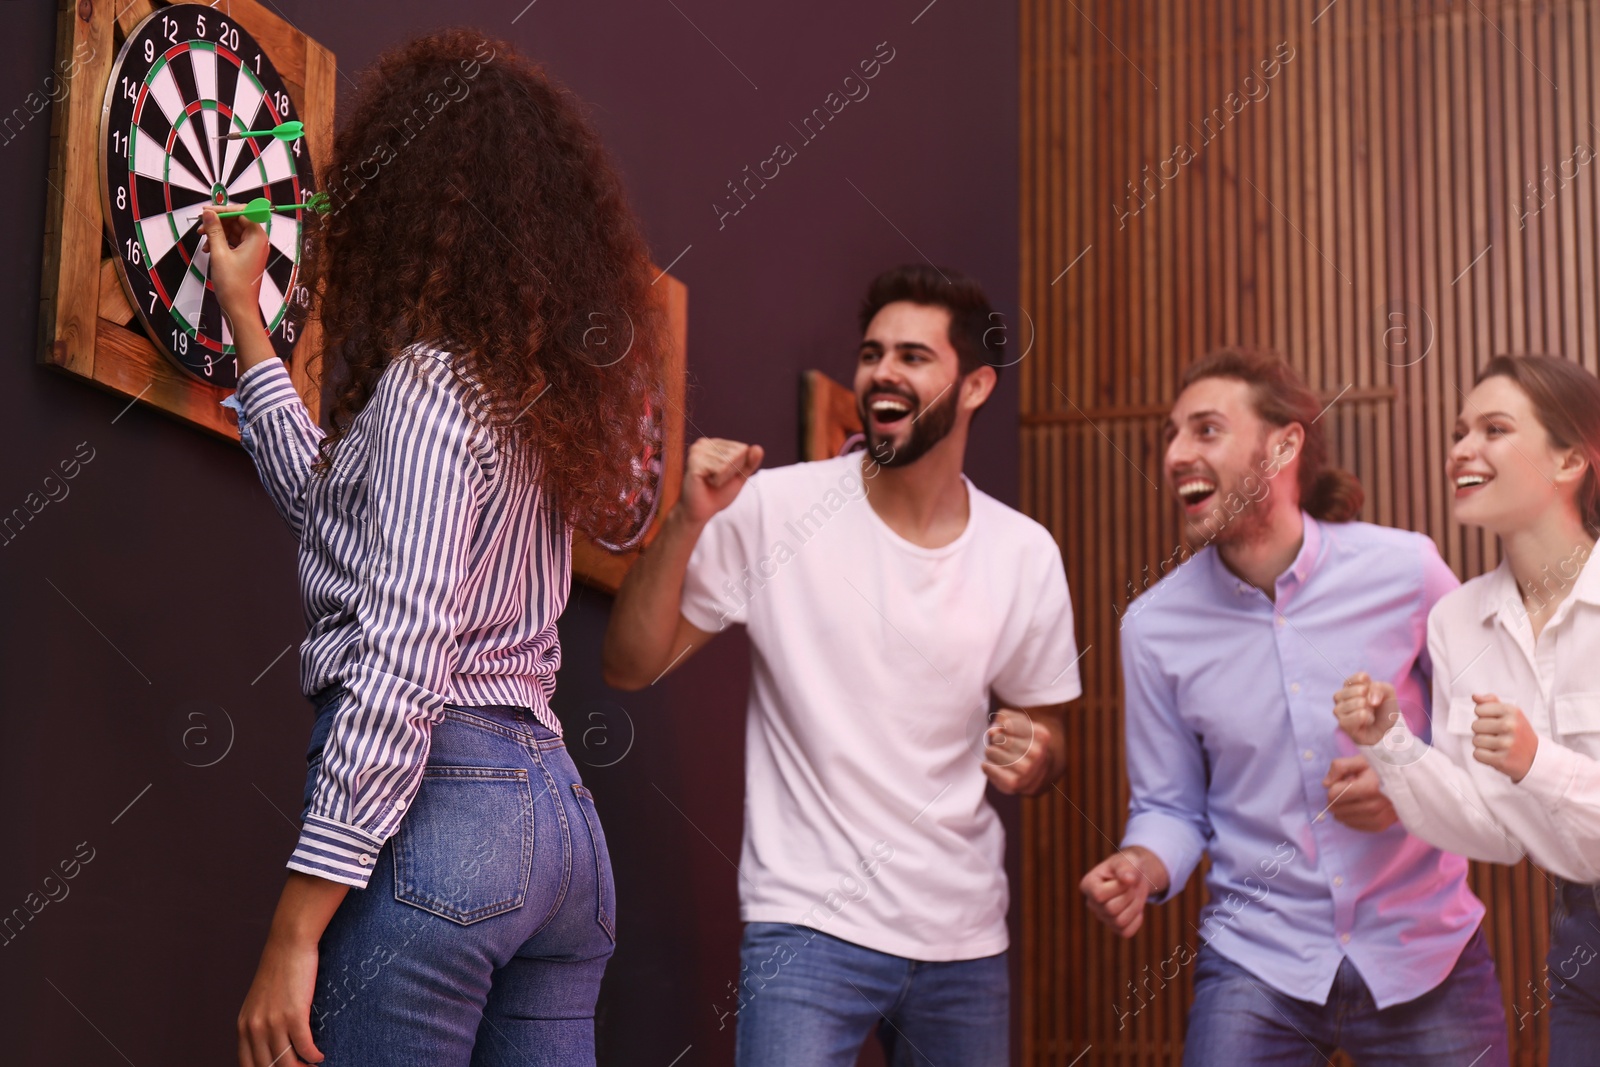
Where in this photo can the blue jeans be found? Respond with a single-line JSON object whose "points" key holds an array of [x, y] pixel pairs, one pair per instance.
{"points": [[1238, 1020], [483, 935], [1574, 975], [809, 1000]]}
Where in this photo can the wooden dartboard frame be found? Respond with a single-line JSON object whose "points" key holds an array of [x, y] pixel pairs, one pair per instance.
{"points": [[828, 416], [85, 318], [601, 567], [87, 327]]}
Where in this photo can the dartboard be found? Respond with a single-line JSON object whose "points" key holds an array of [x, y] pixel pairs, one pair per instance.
{"points": [[186, 78], [644, 500]]}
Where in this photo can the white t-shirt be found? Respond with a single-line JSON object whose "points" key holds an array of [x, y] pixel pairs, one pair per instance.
{"points": [[874, 661]]}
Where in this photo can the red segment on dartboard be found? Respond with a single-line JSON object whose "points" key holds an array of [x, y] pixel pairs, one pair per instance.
{"points": [[184, 79]]}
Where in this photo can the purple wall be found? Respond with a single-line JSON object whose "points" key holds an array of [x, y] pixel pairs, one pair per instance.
{"points": [[143, 612]]}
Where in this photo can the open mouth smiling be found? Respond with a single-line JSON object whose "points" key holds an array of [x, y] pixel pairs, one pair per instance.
{"points": [[1196, 491], [888, 410]]}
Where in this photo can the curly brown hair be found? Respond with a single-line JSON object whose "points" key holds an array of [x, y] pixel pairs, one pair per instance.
{"points": [[474, 210]]}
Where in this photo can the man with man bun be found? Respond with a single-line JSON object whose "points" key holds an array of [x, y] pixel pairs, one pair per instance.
{"points": [[1327, 926]]}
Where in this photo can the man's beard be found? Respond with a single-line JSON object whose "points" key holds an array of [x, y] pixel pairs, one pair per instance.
{"points": [[928, 428], [1247, 527]]}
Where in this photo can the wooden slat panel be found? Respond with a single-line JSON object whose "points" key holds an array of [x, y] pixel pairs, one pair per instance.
{"points": [[1386, 171]]}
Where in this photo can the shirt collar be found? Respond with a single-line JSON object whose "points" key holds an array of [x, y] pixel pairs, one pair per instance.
{"points": [[1305, 561], [1588, 587], [1310, 548], [1501, 589]]}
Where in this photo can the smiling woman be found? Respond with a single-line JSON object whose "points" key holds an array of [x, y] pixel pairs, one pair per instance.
{"points": [[1513, 768]]}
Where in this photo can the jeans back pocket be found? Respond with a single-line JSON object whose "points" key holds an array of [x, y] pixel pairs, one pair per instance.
{"points": [[605, 885], [465, 849]]}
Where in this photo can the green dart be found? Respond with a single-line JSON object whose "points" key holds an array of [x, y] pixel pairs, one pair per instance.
{"points": [[287, 131], [260, 209]]}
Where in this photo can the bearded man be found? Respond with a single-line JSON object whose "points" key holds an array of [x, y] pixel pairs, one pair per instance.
{"points": [[1327, 926], [911, 641]]}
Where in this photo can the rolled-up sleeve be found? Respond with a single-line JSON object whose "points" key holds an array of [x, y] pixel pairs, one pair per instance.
{"points": [[425, 482]]}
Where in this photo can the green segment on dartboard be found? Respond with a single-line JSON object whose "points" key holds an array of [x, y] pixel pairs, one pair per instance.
{"points": [[260, 209], [286, 131]]}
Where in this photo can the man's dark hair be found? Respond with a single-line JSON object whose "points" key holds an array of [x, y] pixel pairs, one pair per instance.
{"points": [[976, 331]]}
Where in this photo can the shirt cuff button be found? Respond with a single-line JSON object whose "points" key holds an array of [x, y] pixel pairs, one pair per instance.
{"points": [[364, 859]]}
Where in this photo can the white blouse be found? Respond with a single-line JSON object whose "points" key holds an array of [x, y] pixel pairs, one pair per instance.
{"points": [[1481, 641]]}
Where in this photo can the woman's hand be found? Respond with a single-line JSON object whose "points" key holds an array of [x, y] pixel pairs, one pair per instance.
{"points": [[238, 259], [1502, 737], [277, 1011], [238, 251], [1366, 709]]}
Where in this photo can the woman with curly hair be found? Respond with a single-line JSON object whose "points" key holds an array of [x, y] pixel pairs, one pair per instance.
{"points": [[479, 235]]}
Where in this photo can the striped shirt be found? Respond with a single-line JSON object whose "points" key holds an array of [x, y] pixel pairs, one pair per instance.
{"points": [[428, 576]]}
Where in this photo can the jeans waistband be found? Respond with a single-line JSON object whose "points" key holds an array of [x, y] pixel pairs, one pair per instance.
{"points": [[509, 715], [1577, 896]]}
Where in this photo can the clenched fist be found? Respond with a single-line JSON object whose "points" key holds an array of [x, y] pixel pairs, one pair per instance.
{"points": [[1366, 709], [1016, 753], [1502, 737], [1354, 797], [715, 472], [1118, 887]]}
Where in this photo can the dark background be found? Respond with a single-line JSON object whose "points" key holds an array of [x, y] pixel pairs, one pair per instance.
{"points": [[149, 616]]}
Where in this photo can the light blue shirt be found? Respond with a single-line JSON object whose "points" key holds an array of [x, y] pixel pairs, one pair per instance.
{"points": [[1230, 732]]}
